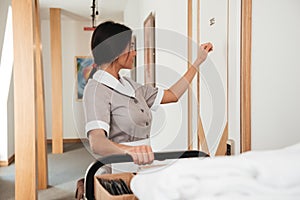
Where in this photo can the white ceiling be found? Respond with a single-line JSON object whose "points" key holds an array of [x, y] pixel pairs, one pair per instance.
{"points": [[81, 9]]}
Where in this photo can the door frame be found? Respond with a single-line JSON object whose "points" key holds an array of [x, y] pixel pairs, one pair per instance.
{"points": [[245, 74]]}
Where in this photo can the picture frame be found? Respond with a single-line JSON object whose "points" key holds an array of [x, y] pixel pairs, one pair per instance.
{"points": [[133, 72], [83, 67], [149, 50]]}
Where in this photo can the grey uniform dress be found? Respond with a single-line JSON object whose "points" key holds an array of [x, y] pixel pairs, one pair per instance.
{"points": [[122, 108]]}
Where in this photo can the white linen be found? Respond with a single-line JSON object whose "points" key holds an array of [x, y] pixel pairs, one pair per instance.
{"points": [[252, 175]]}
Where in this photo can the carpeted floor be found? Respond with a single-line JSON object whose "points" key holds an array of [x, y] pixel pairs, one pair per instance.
{"points": [[63, 172]]}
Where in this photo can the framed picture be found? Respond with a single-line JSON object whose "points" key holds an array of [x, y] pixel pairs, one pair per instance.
{"points": [[149, 49], [133, 72], [83, 65]]}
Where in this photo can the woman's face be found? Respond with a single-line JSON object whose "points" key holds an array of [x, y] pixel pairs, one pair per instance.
{"points": [[126, 59]]}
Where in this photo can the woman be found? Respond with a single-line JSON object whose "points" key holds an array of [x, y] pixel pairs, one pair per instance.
{"points": [[117, 109]]}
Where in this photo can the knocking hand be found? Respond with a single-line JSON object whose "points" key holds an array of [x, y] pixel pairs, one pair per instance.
{"points": [[203, 51]]}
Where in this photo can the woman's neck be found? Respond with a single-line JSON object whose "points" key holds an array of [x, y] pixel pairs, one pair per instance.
{"points": [[111, 69]]}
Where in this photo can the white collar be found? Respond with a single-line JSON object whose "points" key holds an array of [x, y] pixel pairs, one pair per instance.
{"points": [[122, 86]]}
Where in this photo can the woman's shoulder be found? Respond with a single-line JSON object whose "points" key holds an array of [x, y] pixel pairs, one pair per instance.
{"points": [[133, 83], [94, 86]]}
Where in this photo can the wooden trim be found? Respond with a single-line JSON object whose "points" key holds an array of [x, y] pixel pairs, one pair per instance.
{"points": [[199, 134], [222, 148], [227, 65], [70, 140], [149, 51], [11, 159], [7, 162], [202, 143], [56, 66], [24, 99], [40, 106], [190, 92], [246, 32]]}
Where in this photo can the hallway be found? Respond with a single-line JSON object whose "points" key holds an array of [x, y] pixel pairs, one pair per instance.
{"points": [[64, 171]]}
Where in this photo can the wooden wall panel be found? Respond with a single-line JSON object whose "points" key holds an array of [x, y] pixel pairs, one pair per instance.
{"points": [[222, 147], [24, 99], [56, 67], [246, 32], [40, 105], [202, 143]]}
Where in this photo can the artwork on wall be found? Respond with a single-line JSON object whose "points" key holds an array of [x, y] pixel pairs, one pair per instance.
{"points": [[83, 67], [149, 49], [133, 72]]}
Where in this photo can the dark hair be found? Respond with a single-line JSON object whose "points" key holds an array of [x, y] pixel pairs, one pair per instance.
{"points": [[109, 40]]}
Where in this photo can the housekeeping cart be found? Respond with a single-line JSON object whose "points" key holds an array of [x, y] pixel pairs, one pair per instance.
{"points": [[94, 189]]}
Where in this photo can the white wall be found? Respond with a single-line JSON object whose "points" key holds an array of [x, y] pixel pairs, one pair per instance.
{"points": [[234, 74], [275, 74], [6, 87], [169, 128], [175, 20], [3, 15], [3, 115], [75, 42], [10, 120]]}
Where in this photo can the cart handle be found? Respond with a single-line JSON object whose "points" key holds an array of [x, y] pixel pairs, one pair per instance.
{"points": [[93, 168]]}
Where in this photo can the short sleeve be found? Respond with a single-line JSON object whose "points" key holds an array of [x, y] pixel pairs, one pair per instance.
{"points": [[96, 103], [153, 96]]}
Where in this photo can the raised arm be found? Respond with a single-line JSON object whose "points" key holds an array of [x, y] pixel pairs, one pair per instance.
{"points": [[176, 91]]}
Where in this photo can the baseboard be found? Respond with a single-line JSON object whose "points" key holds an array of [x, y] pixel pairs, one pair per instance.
{"points": [[8, 162], [70, 140], [11, 159]]}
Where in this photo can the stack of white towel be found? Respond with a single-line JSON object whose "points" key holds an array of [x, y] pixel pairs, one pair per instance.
{"points": [[253, 175]]}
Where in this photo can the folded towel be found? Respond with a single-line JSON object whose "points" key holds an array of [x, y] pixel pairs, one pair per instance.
{"points": [[255, 175], [279, 168]]}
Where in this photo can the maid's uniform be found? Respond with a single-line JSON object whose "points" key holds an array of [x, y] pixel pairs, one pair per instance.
{"points": [[122, 108]]}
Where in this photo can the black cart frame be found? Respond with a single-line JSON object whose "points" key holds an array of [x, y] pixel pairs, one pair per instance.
{"points": [[93, 168]]}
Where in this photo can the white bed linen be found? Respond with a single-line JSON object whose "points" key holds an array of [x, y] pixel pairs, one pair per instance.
{"points": [[253, 175]]}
